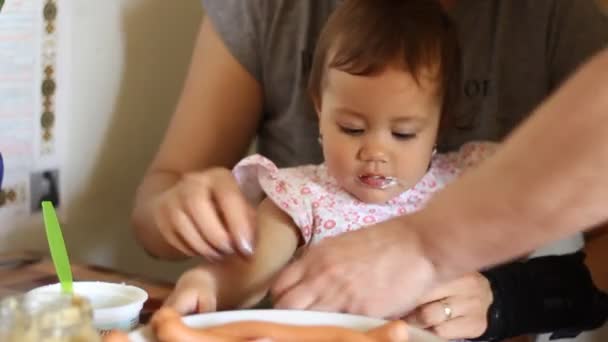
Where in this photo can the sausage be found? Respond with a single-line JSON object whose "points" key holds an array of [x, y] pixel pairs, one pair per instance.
{"points": [[168, 327], [176, 331], [116, 336], [284, 332], [394, 331]]}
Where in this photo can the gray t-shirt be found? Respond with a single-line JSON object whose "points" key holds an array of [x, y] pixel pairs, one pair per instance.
{"points": [[515, 53]]}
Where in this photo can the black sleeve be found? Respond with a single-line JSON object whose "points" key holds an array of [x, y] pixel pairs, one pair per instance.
{"points": [[551, 294]]}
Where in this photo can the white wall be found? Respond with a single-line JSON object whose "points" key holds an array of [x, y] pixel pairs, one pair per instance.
{"points": [[129, 58], [127, 62]]}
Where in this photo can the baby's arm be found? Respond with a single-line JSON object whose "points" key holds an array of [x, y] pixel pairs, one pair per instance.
{"points": [[237, 281]]}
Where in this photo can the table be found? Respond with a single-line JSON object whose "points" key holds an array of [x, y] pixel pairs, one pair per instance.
{"points": [[23, 271]]}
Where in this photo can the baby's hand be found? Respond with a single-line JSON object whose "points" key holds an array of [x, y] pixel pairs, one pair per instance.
{"points": [[195, 292]]}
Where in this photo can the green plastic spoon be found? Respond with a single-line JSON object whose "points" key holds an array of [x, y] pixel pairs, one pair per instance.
{"points": [[59, 253]]}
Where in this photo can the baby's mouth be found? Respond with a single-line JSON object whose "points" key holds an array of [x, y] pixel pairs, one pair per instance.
{"points": [[377, 181]]}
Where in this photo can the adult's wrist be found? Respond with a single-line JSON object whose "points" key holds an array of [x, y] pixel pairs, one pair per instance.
{"points": [[415, 240], [432, 235]]}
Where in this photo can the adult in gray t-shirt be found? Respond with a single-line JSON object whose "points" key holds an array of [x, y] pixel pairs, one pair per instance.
{"points": [[514, 52], [248, 76]]}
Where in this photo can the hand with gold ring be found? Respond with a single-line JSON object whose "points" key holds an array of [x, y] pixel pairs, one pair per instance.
{"points": [[455, 310]]}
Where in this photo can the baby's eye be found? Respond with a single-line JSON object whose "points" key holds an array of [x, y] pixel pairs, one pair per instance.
{"points": [[403, 136], [351, 131]]}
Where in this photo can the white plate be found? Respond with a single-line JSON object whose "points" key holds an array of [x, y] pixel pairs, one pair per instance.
{"points": [[288, 317]]}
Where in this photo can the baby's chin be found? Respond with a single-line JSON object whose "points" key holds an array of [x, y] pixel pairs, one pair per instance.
{"points": [[376, 196]]}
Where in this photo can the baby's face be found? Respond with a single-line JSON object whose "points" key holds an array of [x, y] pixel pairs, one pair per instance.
{"points": [[378, 131]]}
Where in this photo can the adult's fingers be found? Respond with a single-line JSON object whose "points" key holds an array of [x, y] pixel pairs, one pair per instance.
{"points": [[460, 328], [329, 301], [299, 297], [191, 237], [438, 312], [237, 215], [208, 225], [286, 280], [168, 231]]}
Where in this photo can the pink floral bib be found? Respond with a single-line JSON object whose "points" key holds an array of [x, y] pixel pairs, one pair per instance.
{"points": [[320, 208]]}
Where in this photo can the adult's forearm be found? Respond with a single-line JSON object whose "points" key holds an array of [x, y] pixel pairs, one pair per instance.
{"points": [[548, 180], [208, 129]]}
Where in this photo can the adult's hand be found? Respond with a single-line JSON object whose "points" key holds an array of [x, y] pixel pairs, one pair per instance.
{"points": [[379, 271], [205, 214], [203, 119], [457, 309]]}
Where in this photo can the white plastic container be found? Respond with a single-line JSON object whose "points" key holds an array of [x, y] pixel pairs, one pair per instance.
{"points": [[115, 306]]}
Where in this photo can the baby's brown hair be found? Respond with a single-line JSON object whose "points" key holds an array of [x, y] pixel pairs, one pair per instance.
{"points": [[363, 37]]}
